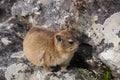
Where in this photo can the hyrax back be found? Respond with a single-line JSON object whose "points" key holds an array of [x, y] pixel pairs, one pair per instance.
{"points": [[44, 47]]}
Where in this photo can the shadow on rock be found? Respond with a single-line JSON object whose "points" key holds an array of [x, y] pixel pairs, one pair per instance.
{"points": [[79, 60]]}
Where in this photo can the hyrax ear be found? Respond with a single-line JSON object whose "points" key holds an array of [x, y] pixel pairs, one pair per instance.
{"points": [[59, 37]]}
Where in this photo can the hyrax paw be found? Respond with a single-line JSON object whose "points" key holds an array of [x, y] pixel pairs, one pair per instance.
{"points": [[64, 70], [48, 73]]}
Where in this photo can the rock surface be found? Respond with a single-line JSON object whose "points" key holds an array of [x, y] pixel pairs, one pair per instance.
{"points": [[22, 71], [111, 56]]}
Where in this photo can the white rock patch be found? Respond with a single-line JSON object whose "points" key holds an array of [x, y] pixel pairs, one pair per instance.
{"points": [[111, 58], [5, 41], [16, 72]]}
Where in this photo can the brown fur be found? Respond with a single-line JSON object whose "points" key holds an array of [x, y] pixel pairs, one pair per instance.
{"points": [[42, 48]]}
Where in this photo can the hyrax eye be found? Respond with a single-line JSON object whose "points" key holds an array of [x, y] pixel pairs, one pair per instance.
{"points": [[59, 37], [70, 41]]}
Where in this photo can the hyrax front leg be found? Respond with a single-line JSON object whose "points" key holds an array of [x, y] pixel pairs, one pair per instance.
{"points": [[64, 68], [47, 69]]}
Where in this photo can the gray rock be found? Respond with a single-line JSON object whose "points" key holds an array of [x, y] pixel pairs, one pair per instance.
{"points": [[2, 76], [18, 55], [111, 58], [22, 71], [111, 28], [22, 8], [51, 13], [108, 31], [95, 32], [107, 42], [5, 41], [54, 14], [17, 72]]}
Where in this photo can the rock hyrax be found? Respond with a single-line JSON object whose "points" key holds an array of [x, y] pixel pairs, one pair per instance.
{"points": [[44, 47]]}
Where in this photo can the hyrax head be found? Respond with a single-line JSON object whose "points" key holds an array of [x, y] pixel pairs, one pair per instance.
{"points": [[65, 42]]}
